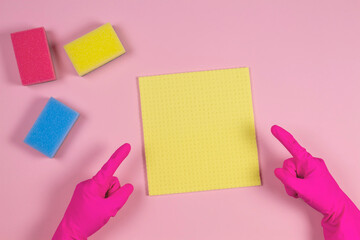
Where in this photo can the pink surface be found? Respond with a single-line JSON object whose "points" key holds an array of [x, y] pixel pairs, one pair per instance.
{"points": [[33, 57], [304, 60]]}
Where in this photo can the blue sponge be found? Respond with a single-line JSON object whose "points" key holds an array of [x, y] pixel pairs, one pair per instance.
{"points": [[51, 127]]}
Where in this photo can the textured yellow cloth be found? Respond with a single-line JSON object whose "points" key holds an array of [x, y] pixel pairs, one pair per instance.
{"points": [[199, 131], [94, 49]]}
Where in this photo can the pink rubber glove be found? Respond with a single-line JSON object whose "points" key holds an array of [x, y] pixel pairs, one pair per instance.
{"points": [[95, 200], [308, 178]]}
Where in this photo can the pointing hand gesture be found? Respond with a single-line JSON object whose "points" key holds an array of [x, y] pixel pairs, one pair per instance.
{"points": [[307, 177], [95, 200]]}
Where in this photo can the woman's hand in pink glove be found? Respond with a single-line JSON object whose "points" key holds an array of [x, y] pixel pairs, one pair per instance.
{"points": [[95, 200], [308, 178]]}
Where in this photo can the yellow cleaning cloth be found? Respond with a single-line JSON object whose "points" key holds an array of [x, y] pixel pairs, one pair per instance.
{"points": [[199, 131], [94, 49]]}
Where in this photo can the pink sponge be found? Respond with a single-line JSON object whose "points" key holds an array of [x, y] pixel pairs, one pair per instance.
{"points": [[33, 56]]}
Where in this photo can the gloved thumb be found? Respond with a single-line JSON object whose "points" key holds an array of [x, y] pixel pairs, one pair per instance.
{"points": [[119, 198], [292, 183]]}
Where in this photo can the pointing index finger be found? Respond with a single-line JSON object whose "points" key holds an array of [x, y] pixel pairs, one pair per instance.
{"points": [[289, 142], [110, 167]]}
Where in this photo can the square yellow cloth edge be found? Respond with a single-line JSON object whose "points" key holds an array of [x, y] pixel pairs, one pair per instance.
{"points": [[256, 176]]}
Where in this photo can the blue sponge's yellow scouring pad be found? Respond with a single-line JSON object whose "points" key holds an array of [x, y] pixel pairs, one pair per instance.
{"points": [[51, 127], [94, 49]]}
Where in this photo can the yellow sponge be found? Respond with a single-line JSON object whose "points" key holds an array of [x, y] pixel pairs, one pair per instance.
{"points": [[94, 49]]}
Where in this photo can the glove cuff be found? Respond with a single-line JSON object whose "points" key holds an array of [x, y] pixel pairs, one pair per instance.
{"points": [[64, 232], [344, 223]]}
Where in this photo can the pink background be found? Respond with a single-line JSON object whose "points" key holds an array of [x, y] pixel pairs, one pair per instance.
{"points": [[304, 58]]}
